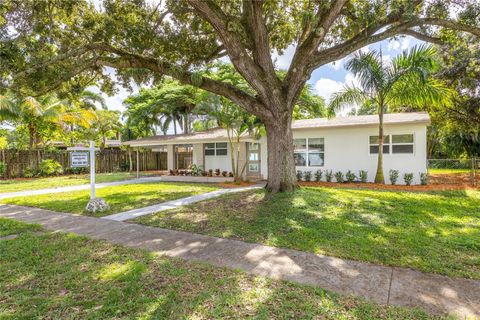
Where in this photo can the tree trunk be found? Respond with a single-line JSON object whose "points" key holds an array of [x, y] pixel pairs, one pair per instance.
{"points": [[281, 165], [379, 177]]}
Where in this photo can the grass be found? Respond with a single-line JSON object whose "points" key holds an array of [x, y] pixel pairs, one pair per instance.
{"points": [[448, 171], [432, 232], [64, 276], [120, 198], [14, 185]]}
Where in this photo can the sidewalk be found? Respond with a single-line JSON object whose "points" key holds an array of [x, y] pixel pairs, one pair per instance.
{"points": [[77, 187], [382, 284]]}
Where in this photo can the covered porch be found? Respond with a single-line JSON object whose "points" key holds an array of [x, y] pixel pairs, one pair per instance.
{"points": [[207, 154]]}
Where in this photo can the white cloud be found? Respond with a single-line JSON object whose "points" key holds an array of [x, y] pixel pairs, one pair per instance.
{"points": [[326, 87], [405, 43], [283, 61], [393, 45]]}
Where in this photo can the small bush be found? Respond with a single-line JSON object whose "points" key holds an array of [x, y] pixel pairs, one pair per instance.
{"points": [[363, 175], [224, 173], [350, 176], [3, 168], [408, 178], [210, 172], [424, 178], [307, 176], [328, 175], [230, 174], [339, 176], [217, 172], [318, 175], [50, 167], [196, 170], [393, 176], [299, 175], [29, 172]]}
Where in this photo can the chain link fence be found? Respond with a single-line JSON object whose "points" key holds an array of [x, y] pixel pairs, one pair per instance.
{"points": [[454, 171]]}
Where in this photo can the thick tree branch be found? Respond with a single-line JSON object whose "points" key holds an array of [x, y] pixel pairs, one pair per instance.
{"points": [[255, 25], [296, 75], [234, 46], [423, 37]]}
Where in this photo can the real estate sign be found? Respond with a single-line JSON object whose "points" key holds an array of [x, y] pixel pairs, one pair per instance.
{"points": [[78, 159]]}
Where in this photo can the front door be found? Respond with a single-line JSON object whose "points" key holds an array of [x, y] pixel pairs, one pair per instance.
{"points": [[253, 158]]}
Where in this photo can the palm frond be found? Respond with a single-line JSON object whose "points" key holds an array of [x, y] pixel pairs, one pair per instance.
{"points": [[345, 98]]}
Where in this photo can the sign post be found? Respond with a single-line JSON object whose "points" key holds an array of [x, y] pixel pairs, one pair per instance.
{"points": [[79, 158]]}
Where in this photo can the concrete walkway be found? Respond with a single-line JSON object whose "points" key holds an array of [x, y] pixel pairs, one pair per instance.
{"points": [[77, 187], [384, 285], [132, 214]]}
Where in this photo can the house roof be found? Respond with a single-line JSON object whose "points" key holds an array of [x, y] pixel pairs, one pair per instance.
{"points": [[219, 134]]}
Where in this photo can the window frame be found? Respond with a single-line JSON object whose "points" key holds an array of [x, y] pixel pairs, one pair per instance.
{"points": [[307, 152], [391, 144], [215, 149]]}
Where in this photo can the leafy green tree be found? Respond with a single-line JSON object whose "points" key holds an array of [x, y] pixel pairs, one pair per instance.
{"points": [[106, 125], [405, 81], [44, 43], [168, 103]]}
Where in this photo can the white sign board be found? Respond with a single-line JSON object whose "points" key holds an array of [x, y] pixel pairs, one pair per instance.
{"points": [[78, 159]]}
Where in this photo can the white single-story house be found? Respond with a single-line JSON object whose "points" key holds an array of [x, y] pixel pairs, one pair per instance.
{"points": [[338, 144]]}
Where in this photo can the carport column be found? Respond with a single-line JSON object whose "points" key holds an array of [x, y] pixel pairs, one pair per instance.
{"points": [[138, 164], [170, 157]]}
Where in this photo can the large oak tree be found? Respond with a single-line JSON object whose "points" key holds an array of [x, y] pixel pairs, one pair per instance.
{"points": [[48, 42]]}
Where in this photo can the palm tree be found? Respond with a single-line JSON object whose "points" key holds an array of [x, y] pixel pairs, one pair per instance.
{"points": [[385, 85]]}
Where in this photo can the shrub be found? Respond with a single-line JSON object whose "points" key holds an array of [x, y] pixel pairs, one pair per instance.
{"points": [[408, 177], [307, 176], [204, 173], [363, 175], [318, 175], [50, 167], [3, 168], [230, 174], [339, 176], [299, 175], [328, 175], [210, 172], [393, 176], [224, 173], [29, 172], [196, 171], [217, 172], [424, 178], [350, 176]]}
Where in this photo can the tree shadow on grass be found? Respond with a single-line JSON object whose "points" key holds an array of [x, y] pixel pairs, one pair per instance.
{"points": [[432, 232], [67, 276]]}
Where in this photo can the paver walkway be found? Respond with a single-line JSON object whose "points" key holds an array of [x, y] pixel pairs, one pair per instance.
{"points": [[132, 214], [385, 285], [77, 187]]}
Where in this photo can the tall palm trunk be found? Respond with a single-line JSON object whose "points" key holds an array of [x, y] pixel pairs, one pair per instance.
{"points": [[379, 177], [174, 126]]}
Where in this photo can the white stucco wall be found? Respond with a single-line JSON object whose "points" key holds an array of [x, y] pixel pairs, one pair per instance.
{"points": [[224, 163], [348, 149], [197, 154]]}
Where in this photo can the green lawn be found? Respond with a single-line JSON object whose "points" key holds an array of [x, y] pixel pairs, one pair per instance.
{"points": [[14, 185], [447, 171], [59, 276], [432, 232], [120, 198]]}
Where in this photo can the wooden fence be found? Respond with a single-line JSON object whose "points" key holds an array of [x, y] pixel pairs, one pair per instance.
{"points": [[107, 160]]}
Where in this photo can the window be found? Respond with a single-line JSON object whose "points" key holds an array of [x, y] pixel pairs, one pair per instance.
{"points": [[374, 140], [316, 152], [402, 143], [393, 144], [300, 152], [309, 152], [219, 149]]}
